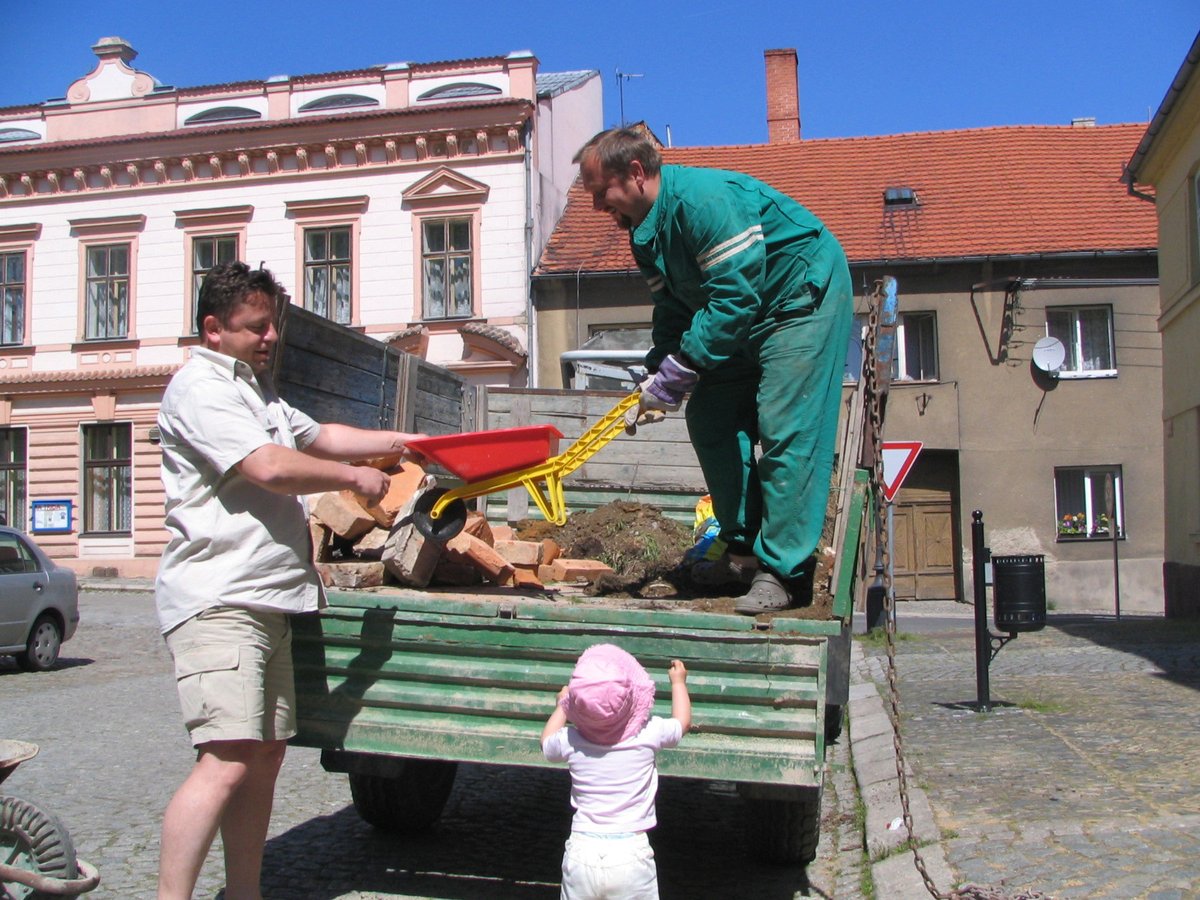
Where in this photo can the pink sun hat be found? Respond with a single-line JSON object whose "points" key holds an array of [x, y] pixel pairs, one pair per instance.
{"points": [[609, 696]]}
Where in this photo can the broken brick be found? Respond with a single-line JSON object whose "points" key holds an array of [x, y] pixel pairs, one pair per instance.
{"points": [[343, 515], [405, 481], [352, 575], [320, 536], [371, 544], [525, 577], [477, 524], [563, 569], [408, 556], [520, 553], [465, 547]]}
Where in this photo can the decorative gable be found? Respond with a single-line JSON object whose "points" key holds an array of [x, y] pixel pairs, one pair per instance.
{"points": [[445, 186], [112, 79]]}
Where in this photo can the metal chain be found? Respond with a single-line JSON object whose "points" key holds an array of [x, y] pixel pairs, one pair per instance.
{"points": [[874, 398]]}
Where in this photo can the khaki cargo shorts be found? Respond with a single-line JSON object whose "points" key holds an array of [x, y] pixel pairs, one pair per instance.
{"points": [[233, 670]]}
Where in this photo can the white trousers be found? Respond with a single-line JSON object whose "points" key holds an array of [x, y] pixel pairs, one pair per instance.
{"points": [[599, 867]]}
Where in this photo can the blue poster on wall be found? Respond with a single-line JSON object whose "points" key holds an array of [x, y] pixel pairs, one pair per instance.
{"points": [[51, 516]]}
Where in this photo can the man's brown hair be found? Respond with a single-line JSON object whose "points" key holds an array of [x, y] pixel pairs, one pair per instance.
{"points": [[227, 286], [616, 148]]}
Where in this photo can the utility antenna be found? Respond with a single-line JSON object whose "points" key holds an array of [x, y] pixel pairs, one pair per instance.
{"points": [[622, 77]]}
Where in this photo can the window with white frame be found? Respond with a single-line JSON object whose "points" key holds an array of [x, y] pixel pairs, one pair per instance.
{"points": [[207, 251], [328, 272], [107, 478], [16, 259], [916, 348], [854, 352], [1082, 496], [447, 260], [327, 240], [106, 292], [13, 455], [1086, 333], [914, 353], [12, 297], [212, 235]]}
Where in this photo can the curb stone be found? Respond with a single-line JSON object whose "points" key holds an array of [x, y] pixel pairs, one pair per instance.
{"points": [[120, 585], [873, 758]]}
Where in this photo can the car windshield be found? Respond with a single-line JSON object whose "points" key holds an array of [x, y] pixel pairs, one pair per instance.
{"points": [[15, 557]]}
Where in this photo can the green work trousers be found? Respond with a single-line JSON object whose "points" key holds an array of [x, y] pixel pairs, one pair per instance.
{"points": [[784, 394]]}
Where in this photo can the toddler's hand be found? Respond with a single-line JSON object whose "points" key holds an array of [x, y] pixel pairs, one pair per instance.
{"points": [[677, 672]]}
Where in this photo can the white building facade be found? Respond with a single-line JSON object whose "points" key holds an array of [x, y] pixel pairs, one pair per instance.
{"points": [[408, 201]]}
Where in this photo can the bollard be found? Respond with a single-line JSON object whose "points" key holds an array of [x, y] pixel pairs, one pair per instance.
{"points": [[982, 643], [1019, 586]]}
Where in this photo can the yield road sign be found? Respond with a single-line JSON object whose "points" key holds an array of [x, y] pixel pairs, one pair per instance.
{"points": [[898, 459]]}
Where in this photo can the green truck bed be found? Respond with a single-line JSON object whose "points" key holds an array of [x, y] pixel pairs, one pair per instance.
{"points": [[474, 680], [396, 686]]}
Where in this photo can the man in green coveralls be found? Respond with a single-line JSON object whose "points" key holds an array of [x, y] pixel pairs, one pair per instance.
{"points": [[752, 312]]}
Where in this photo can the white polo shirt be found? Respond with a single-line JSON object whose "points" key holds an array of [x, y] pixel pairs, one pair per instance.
{"points": [[232, 542]]}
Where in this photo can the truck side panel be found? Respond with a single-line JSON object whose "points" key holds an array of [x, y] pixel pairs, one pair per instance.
{"points": [[421, 675]]}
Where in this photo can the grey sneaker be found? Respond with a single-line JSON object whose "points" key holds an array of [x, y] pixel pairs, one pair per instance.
{"points": [[767, 594]]}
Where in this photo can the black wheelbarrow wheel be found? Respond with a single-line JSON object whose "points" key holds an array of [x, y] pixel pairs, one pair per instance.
{"points": [[34, 840], [451, 520]]}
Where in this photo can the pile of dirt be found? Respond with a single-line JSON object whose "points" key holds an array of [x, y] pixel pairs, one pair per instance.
{"points": [[637, 541], [645, 549]]}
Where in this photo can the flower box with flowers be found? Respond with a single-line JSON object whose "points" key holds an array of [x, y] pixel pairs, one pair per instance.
{"points": [[1073, 525]]}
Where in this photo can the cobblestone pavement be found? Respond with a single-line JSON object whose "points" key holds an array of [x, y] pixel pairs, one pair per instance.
{"points": [[1084, 780], [113, 750]]}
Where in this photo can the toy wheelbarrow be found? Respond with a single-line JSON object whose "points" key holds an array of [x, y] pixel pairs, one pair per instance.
{"points": [[37, 858], [490, 461]]}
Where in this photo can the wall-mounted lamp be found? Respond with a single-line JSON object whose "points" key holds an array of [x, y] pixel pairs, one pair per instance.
{"points": [[923, 402]]}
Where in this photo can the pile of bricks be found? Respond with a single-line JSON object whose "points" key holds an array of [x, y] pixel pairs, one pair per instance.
{"points": [[360, 545]]}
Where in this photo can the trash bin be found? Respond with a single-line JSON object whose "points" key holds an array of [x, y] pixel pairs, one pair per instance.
{"points": [[1019, 592]]}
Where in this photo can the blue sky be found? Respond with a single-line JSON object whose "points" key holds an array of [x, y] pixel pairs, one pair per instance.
{"points": [[870, 67]]}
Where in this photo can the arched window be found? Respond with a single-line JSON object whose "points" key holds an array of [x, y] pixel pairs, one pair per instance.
{"points": [[460, 89], [222, 114], [338, 101], [18, 134]]}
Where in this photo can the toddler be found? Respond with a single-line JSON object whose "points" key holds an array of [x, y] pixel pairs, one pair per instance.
{"points": [[610, 749]]}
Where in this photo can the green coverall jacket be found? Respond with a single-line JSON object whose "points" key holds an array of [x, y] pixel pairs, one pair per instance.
{"points": [[754, 292]]}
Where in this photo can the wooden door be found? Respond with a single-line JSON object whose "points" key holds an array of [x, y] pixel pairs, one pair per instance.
{"points": [[924, 547]]}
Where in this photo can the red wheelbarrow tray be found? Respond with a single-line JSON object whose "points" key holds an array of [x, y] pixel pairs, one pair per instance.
{"points": [[479, 455]]}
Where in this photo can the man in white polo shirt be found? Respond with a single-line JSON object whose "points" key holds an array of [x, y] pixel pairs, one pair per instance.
{"points": [[236, 462]]}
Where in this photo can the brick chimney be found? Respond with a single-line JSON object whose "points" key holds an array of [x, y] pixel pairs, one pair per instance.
{"points": [[783, 96]]}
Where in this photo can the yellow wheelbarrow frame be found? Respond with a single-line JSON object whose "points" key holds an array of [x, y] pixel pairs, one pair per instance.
{"points": [[543, 481]]}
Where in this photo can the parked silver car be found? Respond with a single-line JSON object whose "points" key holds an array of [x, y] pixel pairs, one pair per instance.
{"points": [[39, 602]]}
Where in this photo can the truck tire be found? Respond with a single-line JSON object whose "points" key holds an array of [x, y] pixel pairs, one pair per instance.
{"points": [[784, 831], [34, 840], [406, 804]]}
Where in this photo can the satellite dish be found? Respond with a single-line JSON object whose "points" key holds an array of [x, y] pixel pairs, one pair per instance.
{"points": [[1049, 354]]}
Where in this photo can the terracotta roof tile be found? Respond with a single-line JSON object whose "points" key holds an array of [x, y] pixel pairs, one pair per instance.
{"points": [[521, 110], [71, 376], [1009, 191]]}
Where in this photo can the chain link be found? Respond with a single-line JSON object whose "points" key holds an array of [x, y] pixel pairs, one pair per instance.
{"points": [[875, 403]]}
